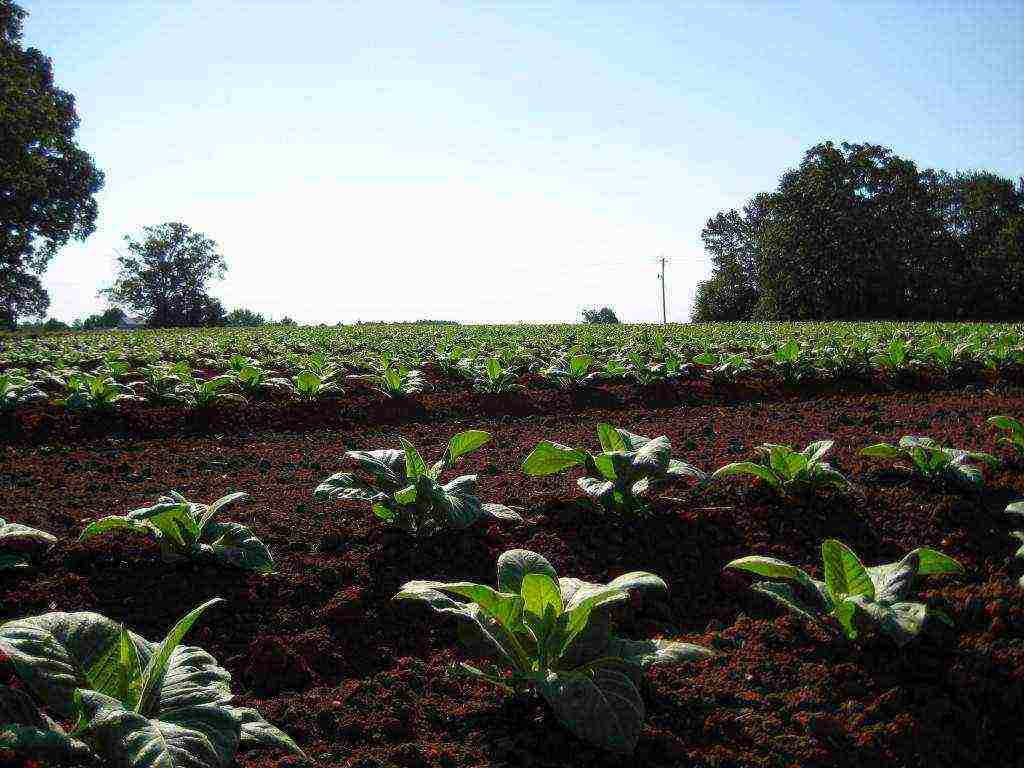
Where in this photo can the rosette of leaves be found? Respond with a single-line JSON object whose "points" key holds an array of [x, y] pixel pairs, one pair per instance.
{"points": [[87, 392], [394, 380], [209, 393], [307, 385], [792, 363], [852, 597], [163, 383], [188, 530], [788, 472], [18, 391], [18, 541], [935, 462], [572, 373], [723, 367], [493, 377], [402, 491], [1014, 431], [553, 637], [621, 475], [134, 702]]}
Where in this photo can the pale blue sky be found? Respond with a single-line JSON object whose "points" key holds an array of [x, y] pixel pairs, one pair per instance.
{"points": [[496, 162]]}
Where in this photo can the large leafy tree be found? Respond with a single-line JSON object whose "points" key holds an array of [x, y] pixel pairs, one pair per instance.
{"points": [[47, 182], [164, 275], [858, 232]]}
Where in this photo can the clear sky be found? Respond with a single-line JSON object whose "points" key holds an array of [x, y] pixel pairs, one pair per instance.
{"points": [[496, 162]]}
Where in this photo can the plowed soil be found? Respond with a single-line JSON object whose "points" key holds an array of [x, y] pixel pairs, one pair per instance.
{"points": [[359, 680]]}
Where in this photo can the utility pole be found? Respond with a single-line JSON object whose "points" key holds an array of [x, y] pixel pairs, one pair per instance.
{"points": [[664, 318]]}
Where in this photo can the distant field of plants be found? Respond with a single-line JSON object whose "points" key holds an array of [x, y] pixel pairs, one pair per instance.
{"points": [[209, 367]]}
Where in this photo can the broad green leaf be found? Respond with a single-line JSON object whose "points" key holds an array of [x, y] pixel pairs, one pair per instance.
{"points": [[129, 682], [548, 458], [156, 668], [609, 438], [387, 465], [464, 442], [882, 451], [175, 521], [501, 512], [646, 653], [191, 737], [15, 533], [515, 564], [235, 544], [816, 451], [459, 500], [29, 733], [257, 732], [770, 567], [539, 592], [600, 706], [678, 468], [845, 575], [220, 505], [111, 523], [345, 486], [747, 468], [506, 607], [415, 467], [784, 595], [55, 653], [931, 561]]}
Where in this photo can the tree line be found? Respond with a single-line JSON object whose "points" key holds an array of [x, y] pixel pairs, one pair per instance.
{"points": [[858, 232]]}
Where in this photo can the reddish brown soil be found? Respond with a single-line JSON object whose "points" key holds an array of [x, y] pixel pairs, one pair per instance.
{"points": [[360, 681]]}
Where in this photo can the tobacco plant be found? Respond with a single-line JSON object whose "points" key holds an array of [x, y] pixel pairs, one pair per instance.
{"points": [[494, 378], [15, 542], [209, 393], [306, 385], [403, 492], [787, 472], [135, 703], [853, 598], [552, 637], [163, 383], [394, 380], [1014, 431], [188, 530], [572, 373], [96, 393], [17, 391], [935, 462], [621, 475]]}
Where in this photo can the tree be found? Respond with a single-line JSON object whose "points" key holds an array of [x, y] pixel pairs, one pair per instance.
{"points": [[47, 182], [599, 315], [857, 232], [734, 288], [111, 318], [165, 275], [244, 318]]}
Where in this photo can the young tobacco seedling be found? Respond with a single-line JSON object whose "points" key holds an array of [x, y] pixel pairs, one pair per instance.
{"points": [[97, 393], [405, 493], [136, 703], [394, 380], [186, 529], [553, 637], [621, 475], [209, 393], [853, 598], [1014, 431], [572, 373], [494, 378], [15, 539], [787, 472], [935, 462]]}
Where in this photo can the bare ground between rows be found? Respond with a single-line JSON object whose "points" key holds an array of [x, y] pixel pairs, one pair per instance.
{"points": [[361, 681]]}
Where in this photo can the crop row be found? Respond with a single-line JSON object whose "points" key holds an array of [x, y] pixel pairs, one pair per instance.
{"points": [[142, 703], [80, 380]]}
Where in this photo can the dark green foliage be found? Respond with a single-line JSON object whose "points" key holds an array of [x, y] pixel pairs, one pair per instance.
{"points": [[599, 315], [244, 318], [108, 319], [47, 182], [857, 232], [164, 276]]}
